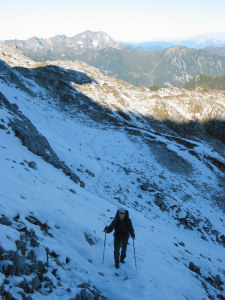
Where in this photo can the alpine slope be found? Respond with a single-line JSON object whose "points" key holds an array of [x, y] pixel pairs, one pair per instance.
{"points": [[75, 146]]}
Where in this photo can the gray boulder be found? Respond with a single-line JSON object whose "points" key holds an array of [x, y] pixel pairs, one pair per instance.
{"points": [[5, 221], [21, 267], [194, 268], [36, 283], [32, 165], [26, 287], [7, 268]]}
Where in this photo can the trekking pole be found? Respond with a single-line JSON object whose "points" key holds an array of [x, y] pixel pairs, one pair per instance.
{"points": [[104, 250], [134, 257]]}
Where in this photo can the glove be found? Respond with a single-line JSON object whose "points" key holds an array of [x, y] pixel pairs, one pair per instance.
{"points": [[133, 236], [106, 229]]}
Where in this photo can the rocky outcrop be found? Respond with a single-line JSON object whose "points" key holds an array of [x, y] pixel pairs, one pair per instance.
{"points": [[23, 263], [34, 140], [34, 275], [88, 292]]}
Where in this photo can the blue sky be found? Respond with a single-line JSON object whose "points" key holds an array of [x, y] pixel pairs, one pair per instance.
{"points": [[125, 20]]}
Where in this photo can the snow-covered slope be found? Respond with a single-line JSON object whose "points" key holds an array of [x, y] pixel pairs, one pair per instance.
{"points": [[170, 178]]}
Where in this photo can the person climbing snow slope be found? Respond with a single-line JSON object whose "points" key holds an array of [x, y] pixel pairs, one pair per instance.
{"points": [[123, 229]]}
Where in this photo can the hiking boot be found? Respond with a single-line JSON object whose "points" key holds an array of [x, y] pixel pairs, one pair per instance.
{"points": [[117, 265], [122, 261]]}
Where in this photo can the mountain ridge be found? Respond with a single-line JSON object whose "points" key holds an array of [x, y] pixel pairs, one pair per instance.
{"points": [[86, 39], [90, 81], [216, 50], [169, 67], [206, 81], [198, 41]]}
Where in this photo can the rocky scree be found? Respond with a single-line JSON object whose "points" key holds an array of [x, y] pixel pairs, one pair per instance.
{"points": [[22, 267], [32, 273]]}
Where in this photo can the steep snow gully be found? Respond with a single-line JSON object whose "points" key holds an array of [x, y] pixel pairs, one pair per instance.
{"points": [[63, 177]]}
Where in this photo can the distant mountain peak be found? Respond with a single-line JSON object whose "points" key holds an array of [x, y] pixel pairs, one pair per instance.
{"points": [[213, 37], [85, 40], [94, 39]]}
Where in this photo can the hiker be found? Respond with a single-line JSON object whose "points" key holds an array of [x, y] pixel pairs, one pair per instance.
{"points": [[123, 229]]}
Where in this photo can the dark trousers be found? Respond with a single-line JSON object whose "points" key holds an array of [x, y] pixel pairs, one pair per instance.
{"points": [[120, 241]]}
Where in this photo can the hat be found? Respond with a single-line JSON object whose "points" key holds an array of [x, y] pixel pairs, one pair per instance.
{"points": [[122, 210]]}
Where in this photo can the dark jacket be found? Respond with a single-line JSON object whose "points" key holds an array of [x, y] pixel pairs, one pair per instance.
{"points": [[123, 228]]}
